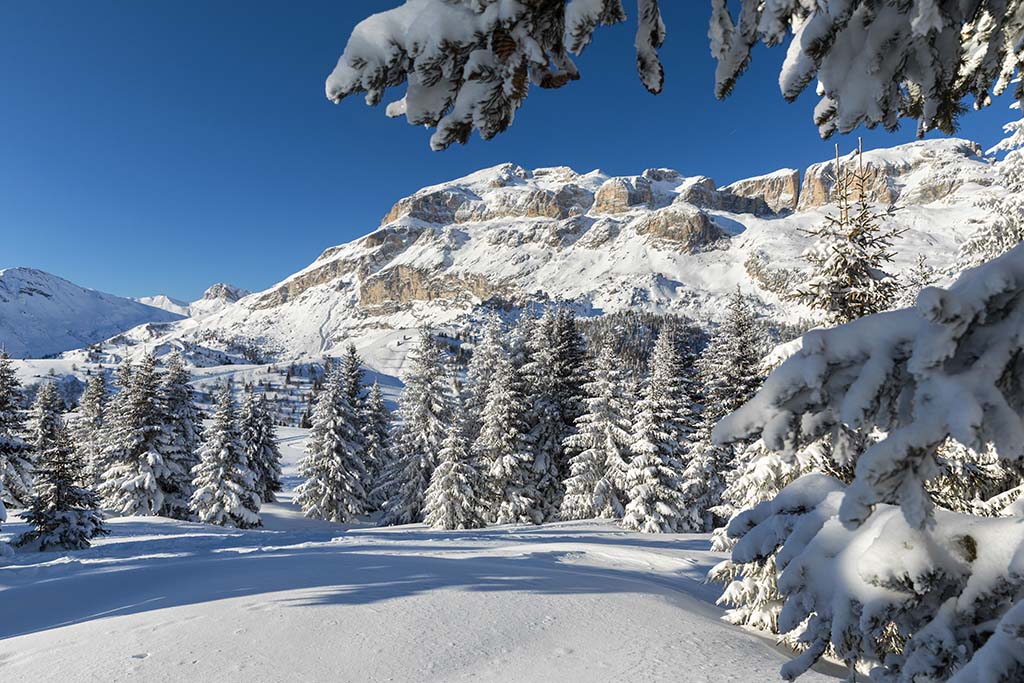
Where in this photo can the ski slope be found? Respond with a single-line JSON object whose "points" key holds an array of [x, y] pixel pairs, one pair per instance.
{"points": [[302, 600]]}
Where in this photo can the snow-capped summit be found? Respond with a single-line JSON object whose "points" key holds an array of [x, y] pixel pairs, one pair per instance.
{"points": [[214, 299], [42, 314], [659, 241]]}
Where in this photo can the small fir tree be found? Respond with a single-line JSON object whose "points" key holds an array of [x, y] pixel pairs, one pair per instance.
{"points": [[334, 488], [179, 439], [503, 449], [88, 429], [257, 431], [852, 247], [225, 486], [15, 454], [136, 468], [600, 447], [63, 515], [453, 498], [424, 416], [377, 439]]}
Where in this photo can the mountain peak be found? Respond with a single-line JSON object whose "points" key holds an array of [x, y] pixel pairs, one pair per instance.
{"points": [[222, 291]]}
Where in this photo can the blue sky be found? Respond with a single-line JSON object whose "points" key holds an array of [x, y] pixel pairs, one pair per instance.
{"points": [[158, 147]]}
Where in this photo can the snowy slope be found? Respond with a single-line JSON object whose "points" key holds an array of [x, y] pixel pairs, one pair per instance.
{"points": [[505, 236], [303, 600], [214, 299], [42, 314]]}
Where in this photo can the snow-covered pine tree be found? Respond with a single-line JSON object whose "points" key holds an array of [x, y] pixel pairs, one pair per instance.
{"points": [[468, 67], [654, 475], [256, 427], [1007, 230], [921, 275], [486, 352], [453, 499], [135, 465], [225, 487], [180, 438], [730, 373], [15, 455], [87, 431], [424, 412], [351, 369], [63, 515], [548, 428], [334, 488], [600, 447], [44, 419], [918, 378], [377, 439], [504, 451], [851, 248]]}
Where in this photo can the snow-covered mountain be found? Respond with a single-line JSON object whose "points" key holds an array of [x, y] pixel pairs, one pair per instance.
{"points": [[660, 241], [42, 314], [214, 299]]}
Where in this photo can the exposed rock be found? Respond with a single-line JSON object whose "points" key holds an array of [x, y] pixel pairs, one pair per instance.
{"points": [[663, 174], [570, 200], [780, 191], [600, 233], [437, 207], [941, 160], [618, 195], [682, 224], [701, 191], [225, 292], [401, 285]]}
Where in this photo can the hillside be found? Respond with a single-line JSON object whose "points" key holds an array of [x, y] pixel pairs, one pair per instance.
{"points": [[42, 314], [506, 236]]}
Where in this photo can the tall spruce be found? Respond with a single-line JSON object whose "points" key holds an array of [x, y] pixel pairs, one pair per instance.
{"points": [[335, 479], [654, 475], [851, 250], [225, 486], [180, 438], [136, 468], [504, 450], [62, 514], [600, 447], [88, 429], [44, 419], [15, 455], [424, 418], [453, 499], [730, 373], [376, 430], [256, 425], [480, 371]]}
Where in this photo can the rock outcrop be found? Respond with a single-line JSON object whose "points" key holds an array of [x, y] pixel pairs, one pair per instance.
{"points": [[685, 225], [619, 195], [779, 191]]}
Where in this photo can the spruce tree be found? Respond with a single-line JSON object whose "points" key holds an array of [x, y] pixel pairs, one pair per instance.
{"points": [[654, 476], [377, 440], [480, 372], [424, 418], [45, 419], [600, 447], [334, 488], [453, 499], [88, 429], [179, 440], [730, 374], [852, 247], [256, 426], [136, 468], [504, 450], [63, 515], [15, 455], [224, 485]]}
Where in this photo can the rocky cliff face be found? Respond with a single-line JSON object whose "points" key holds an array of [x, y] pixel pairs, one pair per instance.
{"points": [[662, 241]]}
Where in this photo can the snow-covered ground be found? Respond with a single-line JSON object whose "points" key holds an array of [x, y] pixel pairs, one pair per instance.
{"points": [[301, 600]]}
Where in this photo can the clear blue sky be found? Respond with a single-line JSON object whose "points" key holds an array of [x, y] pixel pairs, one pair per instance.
{"points": [[157, 147]]}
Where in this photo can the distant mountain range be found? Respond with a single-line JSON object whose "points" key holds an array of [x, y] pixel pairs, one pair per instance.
{"points": [[506, 237]]}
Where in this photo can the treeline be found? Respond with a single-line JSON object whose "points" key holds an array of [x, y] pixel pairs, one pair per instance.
{"points": [[140, 451]]}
